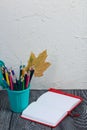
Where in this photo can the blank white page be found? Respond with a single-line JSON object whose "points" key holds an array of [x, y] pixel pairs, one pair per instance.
{"points": [[58, 100]]}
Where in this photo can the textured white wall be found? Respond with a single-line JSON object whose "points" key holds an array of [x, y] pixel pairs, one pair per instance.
{"points": [[60, 26]]}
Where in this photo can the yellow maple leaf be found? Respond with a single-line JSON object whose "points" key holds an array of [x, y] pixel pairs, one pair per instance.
{"points": [[38, 63], [41, 58], [31, 61], [39, 70]]}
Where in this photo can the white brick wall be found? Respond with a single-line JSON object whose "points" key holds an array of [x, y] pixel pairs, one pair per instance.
{"points": [[60, 26]]}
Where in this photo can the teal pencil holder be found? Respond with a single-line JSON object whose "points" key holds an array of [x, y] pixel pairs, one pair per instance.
{"points": [[18, 100]]}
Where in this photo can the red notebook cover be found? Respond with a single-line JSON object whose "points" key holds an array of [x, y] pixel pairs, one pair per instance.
{"points": [[55, 92]]}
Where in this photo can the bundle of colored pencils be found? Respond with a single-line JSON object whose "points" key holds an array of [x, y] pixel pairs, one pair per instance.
{"points": [[10, 79]]}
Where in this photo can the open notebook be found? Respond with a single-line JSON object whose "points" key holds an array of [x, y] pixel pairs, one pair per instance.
{"points": [[51, 107]]}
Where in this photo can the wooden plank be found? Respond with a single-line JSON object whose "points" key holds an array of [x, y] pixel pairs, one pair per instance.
{"points": [[5, 114], [5, 117], [4, 103]]}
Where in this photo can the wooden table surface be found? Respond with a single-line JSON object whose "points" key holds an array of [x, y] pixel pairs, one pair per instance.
{"points": [[12, 121]]}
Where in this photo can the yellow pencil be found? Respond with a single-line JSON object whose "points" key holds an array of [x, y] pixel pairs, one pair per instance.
{"points": [[7, 78]]}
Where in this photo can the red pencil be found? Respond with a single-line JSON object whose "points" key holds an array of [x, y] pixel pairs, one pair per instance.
{"points": [[27, 79], [11, 82]]}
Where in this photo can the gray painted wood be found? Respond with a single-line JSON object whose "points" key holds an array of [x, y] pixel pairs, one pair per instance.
{"points": [[5, 117], [12, 121], [5, 113]]}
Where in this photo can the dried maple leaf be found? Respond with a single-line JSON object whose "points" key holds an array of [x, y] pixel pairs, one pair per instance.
{"points": [[39, 70], [31, 61], [38, 63], [41, 58]]}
